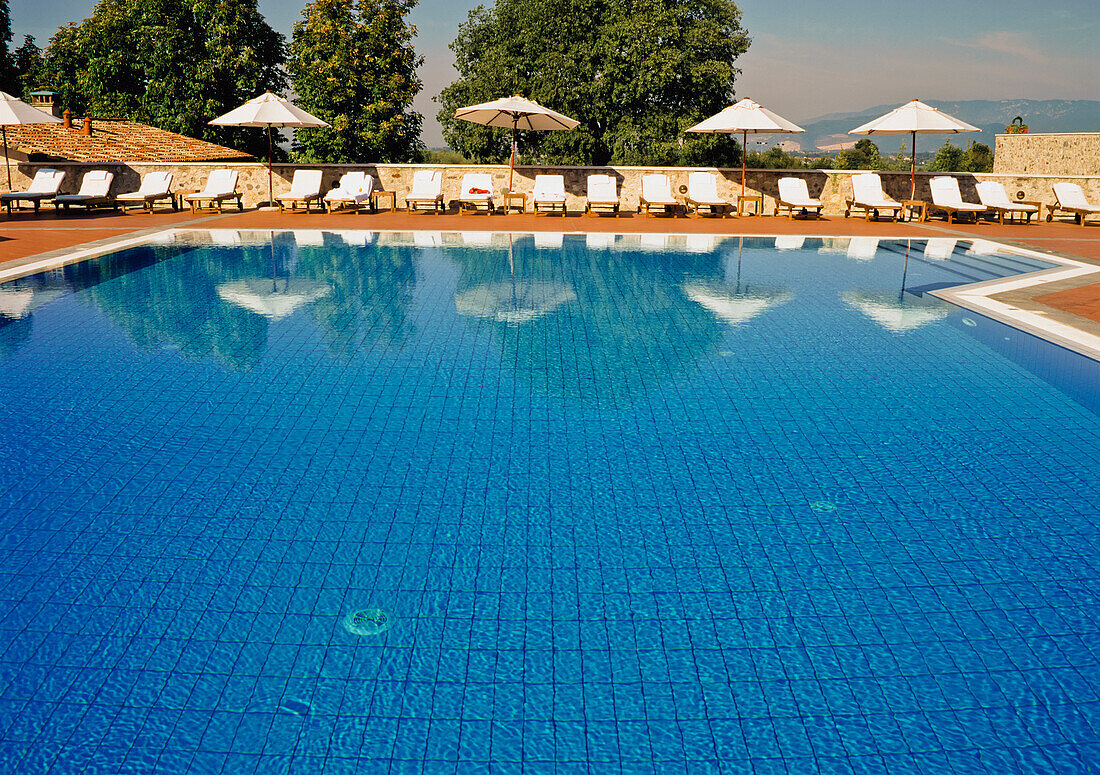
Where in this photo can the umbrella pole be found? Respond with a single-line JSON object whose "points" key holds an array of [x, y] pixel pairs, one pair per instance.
{"points": [[512, 155], [7, 161], [744, 153], [270, 185], [913, 172]]}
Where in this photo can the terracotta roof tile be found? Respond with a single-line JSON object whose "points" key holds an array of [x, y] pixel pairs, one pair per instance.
{"points": [[113, 141]]}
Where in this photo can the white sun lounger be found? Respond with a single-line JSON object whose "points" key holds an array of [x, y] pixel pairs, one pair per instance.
{"points": [[426, 192], [1069, 198], [867, 195], [95, 191], [795, 197], [154, 186], [549, 194], [475, 195], [992, 194], [353, 190], [221, 186], [657, 194], [703, 195], [946, 199], [305, 188], [603, 196], [45, 185]]}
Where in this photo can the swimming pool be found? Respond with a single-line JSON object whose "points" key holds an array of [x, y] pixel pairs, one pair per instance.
{"points": [[447, 502]]}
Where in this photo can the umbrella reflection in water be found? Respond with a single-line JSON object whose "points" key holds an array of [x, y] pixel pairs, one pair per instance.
{"points": [[266, 297], [897, 312], [513, 301], [732, 301]]}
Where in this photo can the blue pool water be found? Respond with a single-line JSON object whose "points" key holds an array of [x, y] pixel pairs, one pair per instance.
{"points": [[373, 503]]}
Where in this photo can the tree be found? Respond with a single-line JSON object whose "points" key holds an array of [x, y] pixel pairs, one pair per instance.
{"points": [[949, 158], [978, 158], [864, 156], [353, 65], [184, 63], [9, 77], [635, 73], [29, 66]]}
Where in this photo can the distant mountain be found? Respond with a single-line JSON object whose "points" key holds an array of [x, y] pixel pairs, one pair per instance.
{"points": [[990, 116]]}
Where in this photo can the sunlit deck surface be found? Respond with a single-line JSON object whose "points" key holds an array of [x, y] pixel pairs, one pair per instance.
{"points": [[24, 234]]}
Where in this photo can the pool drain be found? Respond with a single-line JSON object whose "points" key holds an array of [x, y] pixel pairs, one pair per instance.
{"points": [[368, 621], [822, 506]]}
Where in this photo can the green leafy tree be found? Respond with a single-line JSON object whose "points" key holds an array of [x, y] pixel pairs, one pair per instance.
{"points": [[864, 156], [30, 66], [184, 62], [949, 158], [9, 76], [635, 73], [353, 65], [978, 158]]}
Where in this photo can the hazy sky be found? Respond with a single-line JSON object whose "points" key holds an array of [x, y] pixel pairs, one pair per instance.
{"points": [[809, 57]]}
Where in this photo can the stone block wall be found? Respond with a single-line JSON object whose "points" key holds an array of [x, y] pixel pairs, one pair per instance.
{"points": [[1048, 154], [830, 186]]}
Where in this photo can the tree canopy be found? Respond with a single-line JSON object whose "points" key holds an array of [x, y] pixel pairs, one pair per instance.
{"points": [[9, 76], [635, 73], [175, 64], [353, 65], [950, 158]]}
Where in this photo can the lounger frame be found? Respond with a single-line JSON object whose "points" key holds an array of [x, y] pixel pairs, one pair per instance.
{"points": [[1079, 213]]}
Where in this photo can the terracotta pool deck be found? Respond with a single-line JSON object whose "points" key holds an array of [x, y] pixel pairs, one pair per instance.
{"points": [[23, 235]]}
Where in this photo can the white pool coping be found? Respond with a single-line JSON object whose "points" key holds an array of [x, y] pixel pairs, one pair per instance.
{"points": [[976, 297]]}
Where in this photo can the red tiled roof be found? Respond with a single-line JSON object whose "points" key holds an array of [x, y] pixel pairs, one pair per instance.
{"points": [[113, 140]]}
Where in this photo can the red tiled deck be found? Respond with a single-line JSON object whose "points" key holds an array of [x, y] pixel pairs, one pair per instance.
{"points": [[23, 234]]}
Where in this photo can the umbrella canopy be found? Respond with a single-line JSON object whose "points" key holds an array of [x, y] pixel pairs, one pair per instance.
{"points": [[516, 113], [14, 112], [269, 110], [746, 117], [914, 118]]}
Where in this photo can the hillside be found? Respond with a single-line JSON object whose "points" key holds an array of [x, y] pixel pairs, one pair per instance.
{"points": [[990, 116]]}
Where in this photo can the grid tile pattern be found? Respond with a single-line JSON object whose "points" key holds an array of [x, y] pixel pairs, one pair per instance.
{"points": [[696, 511]]}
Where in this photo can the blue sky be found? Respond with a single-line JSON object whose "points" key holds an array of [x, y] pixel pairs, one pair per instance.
{"points": [[808, 57]]}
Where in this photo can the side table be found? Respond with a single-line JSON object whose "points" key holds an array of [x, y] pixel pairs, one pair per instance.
{"points": [[910, 206], [379, 195], [756, 200], [510, 197]]}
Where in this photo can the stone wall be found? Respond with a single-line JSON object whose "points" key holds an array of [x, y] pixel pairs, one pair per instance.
{"points": [[1048, 154], [831, 186]]}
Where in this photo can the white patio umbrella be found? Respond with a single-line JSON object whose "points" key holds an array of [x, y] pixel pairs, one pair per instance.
{"points": [[517, 113], [15, 112], [914, 118], [746, 117], [269, 110]]}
